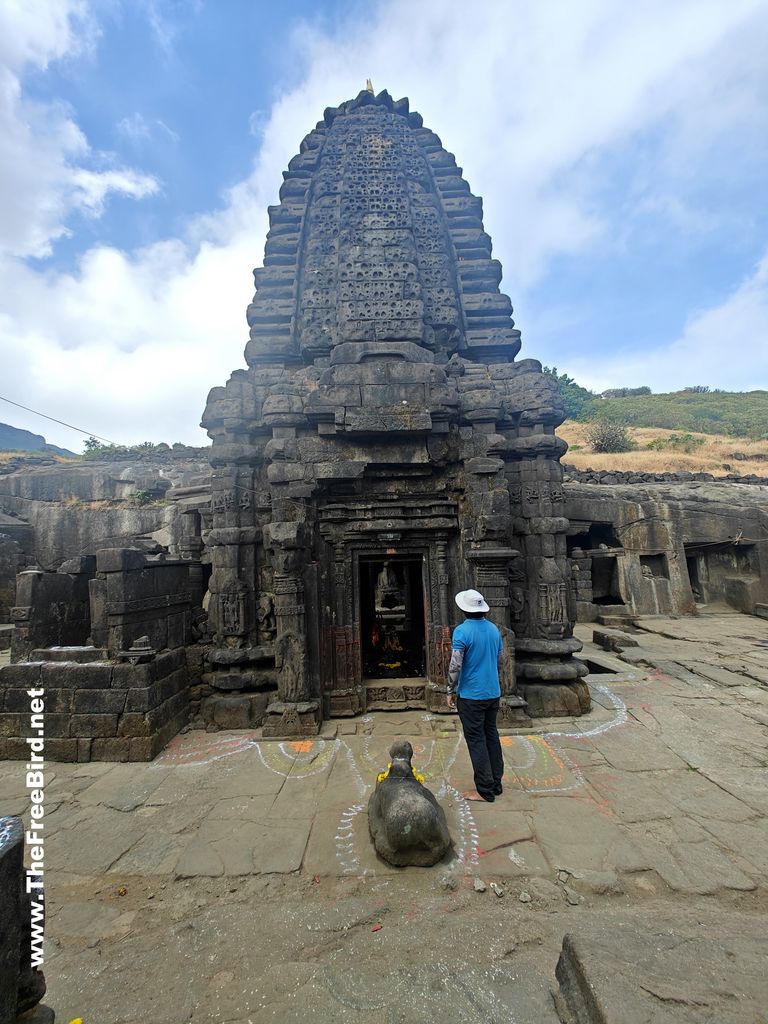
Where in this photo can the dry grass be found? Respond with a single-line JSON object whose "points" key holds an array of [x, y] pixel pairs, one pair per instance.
{"points": [[8, 456], [714, 456]]}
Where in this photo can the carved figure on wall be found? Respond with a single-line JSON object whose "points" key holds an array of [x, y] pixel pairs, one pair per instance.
{"points": [[232, 613], [552, 619], [265, 617], [291, 663]]}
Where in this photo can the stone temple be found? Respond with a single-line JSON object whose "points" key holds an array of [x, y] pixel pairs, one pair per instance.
{"points": [[384, 448]]}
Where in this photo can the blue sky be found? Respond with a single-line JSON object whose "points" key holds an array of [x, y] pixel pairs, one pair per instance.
{"points": [[620, 151]]}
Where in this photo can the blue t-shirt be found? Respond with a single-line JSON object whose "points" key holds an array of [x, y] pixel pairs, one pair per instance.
{"points": [[481, 642]]}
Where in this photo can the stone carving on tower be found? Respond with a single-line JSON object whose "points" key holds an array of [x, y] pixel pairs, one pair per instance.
{"points": [[383, 420]]}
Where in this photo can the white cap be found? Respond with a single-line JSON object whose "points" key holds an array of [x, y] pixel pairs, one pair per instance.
{"points": [[471, 601]]}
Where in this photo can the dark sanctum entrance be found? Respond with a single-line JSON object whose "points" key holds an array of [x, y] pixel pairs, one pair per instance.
{"points": [[392, 618]]}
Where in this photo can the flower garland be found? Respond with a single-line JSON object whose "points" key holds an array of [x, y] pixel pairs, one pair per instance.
{"points": [[383, 775]]}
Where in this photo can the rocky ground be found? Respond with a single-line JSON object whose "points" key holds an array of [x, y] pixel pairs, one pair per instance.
{"points": [[233, 880]]}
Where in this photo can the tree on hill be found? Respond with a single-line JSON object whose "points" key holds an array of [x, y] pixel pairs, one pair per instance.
{"points": [[574, 396]]}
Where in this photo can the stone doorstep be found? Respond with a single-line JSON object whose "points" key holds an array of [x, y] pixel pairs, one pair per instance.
{"points": [[396, 699]]}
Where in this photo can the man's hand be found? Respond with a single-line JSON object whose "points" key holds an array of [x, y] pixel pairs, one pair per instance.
{"points": [[451, 700]]}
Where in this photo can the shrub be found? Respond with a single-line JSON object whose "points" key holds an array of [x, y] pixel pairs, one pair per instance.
{"points": [[676, 443], [610, 436]]}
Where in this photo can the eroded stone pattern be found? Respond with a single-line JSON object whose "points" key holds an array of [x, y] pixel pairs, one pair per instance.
{"points": [[382, 414]]}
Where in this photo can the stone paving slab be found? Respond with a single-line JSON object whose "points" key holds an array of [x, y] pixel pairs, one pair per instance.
{"points": [[615, 975], [249, 871]]}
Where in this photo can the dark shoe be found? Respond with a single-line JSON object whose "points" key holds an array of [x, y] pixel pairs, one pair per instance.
{"points": [[498, 789]]}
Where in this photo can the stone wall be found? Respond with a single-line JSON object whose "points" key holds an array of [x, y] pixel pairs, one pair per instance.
{"points": [[95, 710], [670, 546], [615, 476], [132, 596], [52, 609], [78, 507]]}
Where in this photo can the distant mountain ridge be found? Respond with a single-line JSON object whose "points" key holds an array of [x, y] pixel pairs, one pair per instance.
{"points": [[14, 439]]}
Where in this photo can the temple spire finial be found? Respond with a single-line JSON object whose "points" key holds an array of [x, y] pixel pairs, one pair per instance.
{"points": [[369, 86]]}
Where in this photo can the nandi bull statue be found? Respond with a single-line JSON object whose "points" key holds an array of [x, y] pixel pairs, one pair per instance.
{"points": [[407, 823]]}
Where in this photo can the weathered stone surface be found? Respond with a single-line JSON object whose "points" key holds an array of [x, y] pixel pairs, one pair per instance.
{"points": [[626, 976]]}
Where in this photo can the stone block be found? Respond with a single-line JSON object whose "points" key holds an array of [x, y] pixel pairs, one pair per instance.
{"points": [[231, 712], [110, 748], [13, 724], [107, 702], [55, 725], [93, 726], [14, 748], [120, 559], [143, 698], [133, 724], [65, 750], [142, 749], [613, 639], [24, 676], [127, 676], [68, 675], [81, 655], [175, 683]]}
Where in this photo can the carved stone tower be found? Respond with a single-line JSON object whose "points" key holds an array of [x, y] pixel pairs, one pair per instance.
{"points": [[383, 450]]}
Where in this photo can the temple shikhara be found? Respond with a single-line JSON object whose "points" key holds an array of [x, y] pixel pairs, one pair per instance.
{"points": [[385, 447]]}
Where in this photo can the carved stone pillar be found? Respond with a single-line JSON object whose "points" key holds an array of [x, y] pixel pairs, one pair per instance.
{"points": [[295, 712], [346, 695], [541, 591], [439, 635]]}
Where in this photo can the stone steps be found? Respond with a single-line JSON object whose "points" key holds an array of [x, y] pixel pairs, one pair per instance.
{"points": [[614, 616]]}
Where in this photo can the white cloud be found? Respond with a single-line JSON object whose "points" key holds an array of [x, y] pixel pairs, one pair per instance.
{"points": [[92, 187], [725, 346], [137, 130], [38, 31], [134, 127], [530, 97], [46, 164]]}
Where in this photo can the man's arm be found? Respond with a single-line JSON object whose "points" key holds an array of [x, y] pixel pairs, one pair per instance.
{"points": [[454, 671]]}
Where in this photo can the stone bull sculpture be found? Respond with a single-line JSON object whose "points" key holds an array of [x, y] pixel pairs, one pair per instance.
{"points": [[406, 822]]}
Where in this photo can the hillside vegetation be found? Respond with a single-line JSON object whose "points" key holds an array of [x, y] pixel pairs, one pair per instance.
{"points": [[734, 413], [670, 451]]}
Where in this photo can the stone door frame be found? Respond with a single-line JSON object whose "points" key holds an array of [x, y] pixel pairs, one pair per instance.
{"points": [[345, 695]]}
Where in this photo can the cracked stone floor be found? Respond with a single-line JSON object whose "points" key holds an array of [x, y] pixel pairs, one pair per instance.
{"points": [[233, 880]]}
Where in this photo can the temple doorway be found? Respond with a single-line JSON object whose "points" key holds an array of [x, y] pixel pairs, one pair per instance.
{"points": [[392, 617]]}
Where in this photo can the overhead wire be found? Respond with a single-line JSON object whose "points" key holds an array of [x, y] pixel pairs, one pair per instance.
{"points": [[88, 433]]}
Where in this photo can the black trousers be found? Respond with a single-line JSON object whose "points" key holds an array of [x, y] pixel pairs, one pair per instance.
{"points": [[478, 720]]}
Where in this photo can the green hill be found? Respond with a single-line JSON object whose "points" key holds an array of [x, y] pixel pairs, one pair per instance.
{"points": [[739, 413]]}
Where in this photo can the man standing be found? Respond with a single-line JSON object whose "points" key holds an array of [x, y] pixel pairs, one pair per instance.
{"points": [[474, 690]]}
